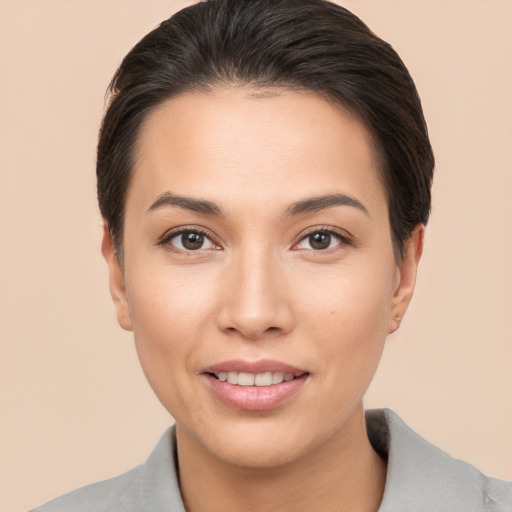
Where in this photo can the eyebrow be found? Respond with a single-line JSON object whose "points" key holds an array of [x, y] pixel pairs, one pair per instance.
{"points": [[188, 203], [315, 204], [312, 204]]}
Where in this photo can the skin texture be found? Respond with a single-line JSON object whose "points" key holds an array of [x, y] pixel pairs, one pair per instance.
{"points": [[258, 289]]}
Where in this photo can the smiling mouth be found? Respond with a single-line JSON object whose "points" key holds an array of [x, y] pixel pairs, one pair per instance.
{"points": [[254, 379], [255, 386]]}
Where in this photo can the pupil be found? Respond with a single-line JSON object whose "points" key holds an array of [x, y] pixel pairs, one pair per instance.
{"points": [[320, 240], [192, 240]]}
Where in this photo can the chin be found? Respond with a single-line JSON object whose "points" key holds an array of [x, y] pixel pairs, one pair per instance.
{"points": [[261, 454], [260, 442]]}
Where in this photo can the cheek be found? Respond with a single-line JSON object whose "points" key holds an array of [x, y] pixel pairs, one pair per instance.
{"points": [[169, 310], [350, 298], [347, 316], [166, 297]]}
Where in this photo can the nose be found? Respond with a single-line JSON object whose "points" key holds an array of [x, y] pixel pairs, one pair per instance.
{"points": [[255, 303]]}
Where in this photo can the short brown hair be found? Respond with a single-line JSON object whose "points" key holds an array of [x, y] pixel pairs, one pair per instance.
{"points": [[312, 45]]}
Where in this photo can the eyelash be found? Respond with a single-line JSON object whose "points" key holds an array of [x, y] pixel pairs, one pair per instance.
{"points": [[343, 237], [173, 233]]}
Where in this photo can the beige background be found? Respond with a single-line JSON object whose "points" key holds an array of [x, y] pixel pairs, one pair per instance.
{"points": [[74, 405]]}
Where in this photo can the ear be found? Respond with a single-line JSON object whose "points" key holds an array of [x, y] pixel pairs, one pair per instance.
{"points": [[116, 280], [406, 277]]}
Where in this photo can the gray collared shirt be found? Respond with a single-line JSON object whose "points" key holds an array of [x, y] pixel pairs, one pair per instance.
{"points": [[420, 478]]}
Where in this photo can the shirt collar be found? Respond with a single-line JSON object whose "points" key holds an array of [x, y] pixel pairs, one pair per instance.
{"points": [[420, 477]]}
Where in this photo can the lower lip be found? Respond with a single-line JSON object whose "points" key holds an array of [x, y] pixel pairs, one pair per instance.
{"points": [[255, 398]]}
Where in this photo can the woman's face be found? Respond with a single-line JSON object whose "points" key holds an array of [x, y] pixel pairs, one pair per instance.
{"points": [[258, 275]]}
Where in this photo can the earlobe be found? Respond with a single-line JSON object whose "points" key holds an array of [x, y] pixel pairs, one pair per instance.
{"points": [[116, 280], [406, 277]]}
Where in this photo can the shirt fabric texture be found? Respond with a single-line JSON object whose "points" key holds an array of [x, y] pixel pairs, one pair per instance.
{"points": [[420, 478]]}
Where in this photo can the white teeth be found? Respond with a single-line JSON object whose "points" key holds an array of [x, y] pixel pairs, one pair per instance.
{"points": [[277, 377], [232, 377], [245, 379], [263, 379], [251, 379]]}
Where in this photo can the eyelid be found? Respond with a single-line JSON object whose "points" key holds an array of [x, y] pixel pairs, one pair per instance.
{"points": [[179, 230], [345, 237]]}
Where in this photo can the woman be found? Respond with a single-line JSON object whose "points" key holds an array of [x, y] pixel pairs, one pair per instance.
{"points": [[264, 176]]}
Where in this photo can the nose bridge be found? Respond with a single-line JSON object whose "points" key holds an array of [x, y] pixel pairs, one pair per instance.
{"points": [[254, 300]]}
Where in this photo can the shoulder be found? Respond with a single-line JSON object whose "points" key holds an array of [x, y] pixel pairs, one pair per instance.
{"points": [[422, 477], [151, 486], [99, 496]]}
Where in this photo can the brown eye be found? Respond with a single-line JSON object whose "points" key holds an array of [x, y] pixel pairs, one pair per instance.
{"points": [[190, 241], [321, 241]]}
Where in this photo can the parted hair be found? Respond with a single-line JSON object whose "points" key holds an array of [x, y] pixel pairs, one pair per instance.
{"points": [[308, 45]]}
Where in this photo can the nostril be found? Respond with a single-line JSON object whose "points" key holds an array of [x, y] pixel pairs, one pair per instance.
{"points": [[255, 318]]}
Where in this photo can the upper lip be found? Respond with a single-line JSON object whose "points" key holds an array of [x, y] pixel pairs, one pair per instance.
{"points": [[255, 367]]}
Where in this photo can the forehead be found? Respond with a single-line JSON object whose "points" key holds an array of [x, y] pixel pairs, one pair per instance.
{"points": [[235, 142]]}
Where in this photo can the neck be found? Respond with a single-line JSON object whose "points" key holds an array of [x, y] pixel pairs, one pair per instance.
{"points": [[344, 470]]}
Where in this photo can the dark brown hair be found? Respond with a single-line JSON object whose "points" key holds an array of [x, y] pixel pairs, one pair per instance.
{"points": [[311, 45]]}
